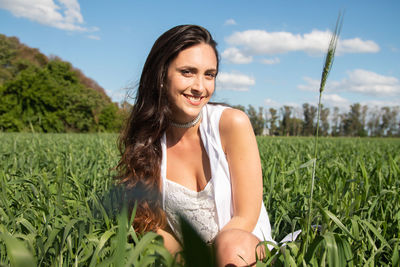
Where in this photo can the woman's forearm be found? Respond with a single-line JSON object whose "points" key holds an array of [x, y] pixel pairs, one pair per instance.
{"points": [[242, 223]]}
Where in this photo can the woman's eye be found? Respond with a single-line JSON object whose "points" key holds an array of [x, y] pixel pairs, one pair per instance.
{"points": [[210, 75], [185, 72]]}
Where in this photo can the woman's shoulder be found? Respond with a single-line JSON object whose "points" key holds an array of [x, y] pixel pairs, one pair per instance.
{"points": [[234, 124], [226, 114], [232, 118]]}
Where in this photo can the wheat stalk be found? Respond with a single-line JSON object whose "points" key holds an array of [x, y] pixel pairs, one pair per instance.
{"points": [[330, 55]]}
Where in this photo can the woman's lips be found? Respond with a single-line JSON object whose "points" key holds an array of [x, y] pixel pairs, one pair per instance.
{"points": [[194, 100]]}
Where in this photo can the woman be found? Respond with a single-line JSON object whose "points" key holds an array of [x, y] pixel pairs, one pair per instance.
{"points": [[182, 155]]}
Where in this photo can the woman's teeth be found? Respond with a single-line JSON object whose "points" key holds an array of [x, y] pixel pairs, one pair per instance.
{"points": [[193, 98]]}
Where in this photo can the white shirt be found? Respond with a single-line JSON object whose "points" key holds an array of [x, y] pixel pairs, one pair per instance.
{"points": [[209, 132]]}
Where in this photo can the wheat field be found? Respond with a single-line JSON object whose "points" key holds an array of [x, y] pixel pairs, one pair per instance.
{"points": [[58, 205]]}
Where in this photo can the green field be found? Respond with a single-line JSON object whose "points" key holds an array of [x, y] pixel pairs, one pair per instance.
{"points": [[58, 206]]}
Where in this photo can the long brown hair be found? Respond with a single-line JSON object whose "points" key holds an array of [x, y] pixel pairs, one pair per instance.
{"points": [[139, 143]]}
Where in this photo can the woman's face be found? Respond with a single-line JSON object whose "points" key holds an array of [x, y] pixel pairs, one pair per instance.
{"points": [[191, 81]]}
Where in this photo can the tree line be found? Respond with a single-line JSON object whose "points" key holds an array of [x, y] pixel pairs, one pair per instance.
{"points": [[42, 94], [359, 120]]}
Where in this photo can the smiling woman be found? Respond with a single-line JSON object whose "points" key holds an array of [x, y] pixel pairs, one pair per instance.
{"points": [[183, 156]]}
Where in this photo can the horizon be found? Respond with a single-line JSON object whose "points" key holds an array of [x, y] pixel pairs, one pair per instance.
{"points": [[271, 55]]}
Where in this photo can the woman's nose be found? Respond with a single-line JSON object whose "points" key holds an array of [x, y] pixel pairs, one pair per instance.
{"points": [[198, 84]]}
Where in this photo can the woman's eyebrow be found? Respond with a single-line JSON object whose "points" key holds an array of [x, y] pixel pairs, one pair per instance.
{"points": [[193, 68], [213, 70], [186, 67]]}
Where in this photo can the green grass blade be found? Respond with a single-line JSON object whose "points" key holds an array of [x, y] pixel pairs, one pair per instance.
{"points": [[18, 254], [332, 250], [103, 239], [337, 222]]}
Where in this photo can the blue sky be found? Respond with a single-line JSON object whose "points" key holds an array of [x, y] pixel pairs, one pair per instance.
{"points": [[272, 52]]}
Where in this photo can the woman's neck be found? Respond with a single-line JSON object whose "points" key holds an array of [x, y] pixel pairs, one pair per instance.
{"points": [[175, 134]]}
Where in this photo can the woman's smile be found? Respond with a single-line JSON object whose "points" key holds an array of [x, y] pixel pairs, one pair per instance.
{"points": [[194, 100]]}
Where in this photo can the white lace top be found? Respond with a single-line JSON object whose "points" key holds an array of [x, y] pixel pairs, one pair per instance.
{"points": [[197, 207]]}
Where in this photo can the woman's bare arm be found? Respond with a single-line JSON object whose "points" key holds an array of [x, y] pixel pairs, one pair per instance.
{"points": [[170, 242], [240, 146]]}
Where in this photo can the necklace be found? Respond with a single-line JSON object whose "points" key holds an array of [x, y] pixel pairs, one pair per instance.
{"points": [[188, 124]]}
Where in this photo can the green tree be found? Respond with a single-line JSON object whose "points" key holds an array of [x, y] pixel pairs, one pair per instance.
{"points": [[310, 114], [389, 122], [324, 121], [364, 111], [240, 107], [49, 95], [335, 122], [286, 120], [15, 57], [296, 126], [273, 118], [52, 99], [373, 123], [353, 124], [110, 119], [257, 119]]}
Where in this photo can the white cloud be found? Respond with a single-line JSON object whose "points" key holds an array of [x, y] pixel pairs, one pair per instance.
{"points": [[311, 85], [334, 100], [94, 37], [271, 103], [230, 22], [234, 81], [368, 82], [64, 15], [359, 81], [260, 42], [356, 45], [270, 61], [295, 105], [268, 102], [379, 103], [393, 48], [233, 55]]}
